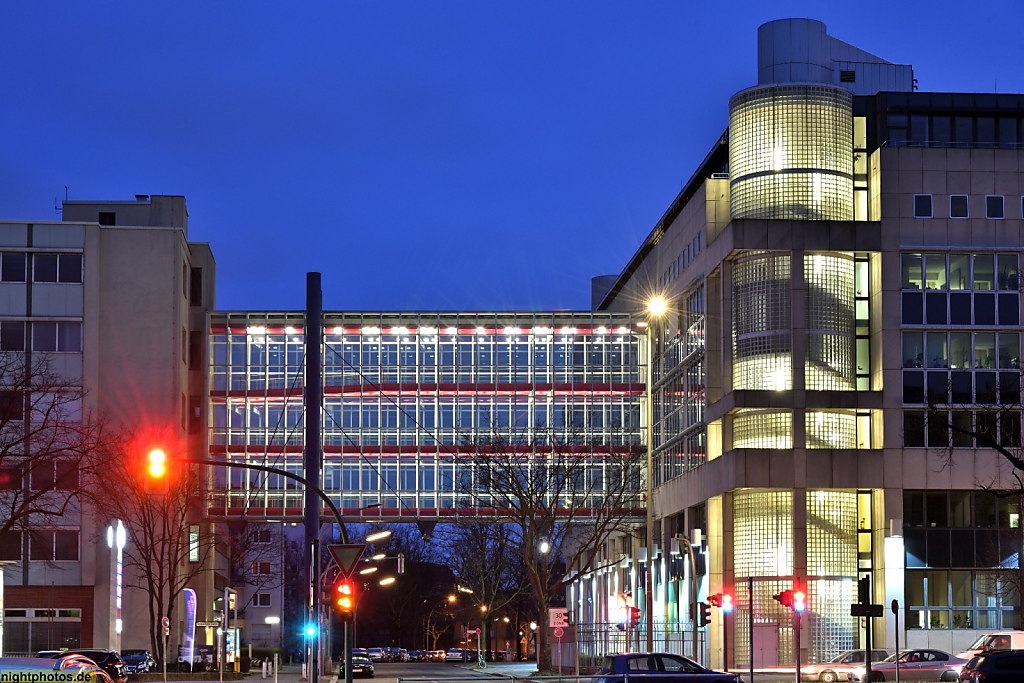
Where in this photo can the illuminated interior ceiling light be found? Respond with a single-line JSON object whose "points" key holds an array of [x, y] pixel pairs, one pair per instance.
{"points": [[256, 329], [451, 330], [778, 157], [398, 329], [337, 329], [622, 329], [512, 330], [601, 329], [370, 329], [542, 330], [481, 330], [778, 379], [290, 330], [428, 330], [567, 330]]}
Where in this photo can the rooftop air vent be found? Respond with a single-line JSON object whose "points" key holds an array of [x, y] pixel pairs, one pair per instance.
{"points": [[847, 76]]}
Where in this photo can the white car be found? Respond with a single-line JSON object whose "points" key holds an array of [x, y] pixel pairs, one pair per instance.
{"points": [[914, 665]]}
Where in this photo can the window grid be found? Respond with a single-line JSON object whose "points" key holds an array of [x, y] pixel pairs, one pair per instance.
{"points": [[831, 429]]}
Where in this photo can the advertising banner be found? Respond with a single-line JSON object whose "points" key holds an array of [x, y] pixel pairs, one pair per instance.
{"points": [[188, 635]]}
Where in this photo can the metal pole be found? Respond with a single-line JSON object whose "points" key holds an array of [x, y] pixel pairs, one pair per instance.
{"points": [[750, 624], [312, 458], [693, 593], [796, 643], [896, 625], [649, 574], [348, 652]]}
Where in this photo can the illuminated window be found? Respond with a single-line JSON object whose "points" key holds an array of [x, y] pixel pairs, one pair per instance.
{"points": [[763, 429]]}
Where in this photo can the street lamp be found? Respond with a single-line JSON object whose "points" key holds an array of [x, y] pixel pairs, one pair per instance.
{"points": [[656, 307]]}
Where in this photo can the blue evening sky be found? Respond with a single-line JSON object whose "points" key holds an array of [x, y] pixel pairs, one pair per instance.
{"points": [[470, 154]]}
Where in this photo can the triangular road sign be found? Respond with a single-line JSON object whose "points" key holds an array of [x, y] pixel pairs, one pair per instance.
{"points": [[346, 555]]}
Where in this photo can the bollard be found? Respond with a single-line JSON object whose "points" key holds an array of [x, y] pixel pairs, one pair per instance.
{"points": [[263, 668], [275, 667]]}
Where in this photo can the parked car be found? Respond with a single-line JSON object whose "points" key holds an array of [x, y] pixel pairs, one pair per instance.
{"points": [[996, 640], [138, 661], [361, 666], [915, 665], [375, 653], [995, 666], [835, 669], [455, 654], [659, 667], [36, 668], [108, 660]]}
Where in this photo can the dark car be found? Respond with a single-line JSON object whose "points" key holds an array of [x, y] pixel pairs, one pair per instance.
{"points": [[108, 660], [996, 666], [361, 666], [138, 661], [658, 667]]}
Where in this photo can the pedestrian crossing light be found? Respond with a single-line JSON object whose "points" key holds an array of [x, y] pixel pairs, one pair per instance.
{"points": [[799, 601], [156, 471], [726, 602]]}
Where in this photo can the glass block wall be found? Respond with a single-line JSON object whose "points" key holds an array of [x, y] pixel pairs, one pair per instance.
{"points": [[791, 152], [761, 313], [407, 394], [831, 570], [831, 429], [754, 428], [830, 364]]}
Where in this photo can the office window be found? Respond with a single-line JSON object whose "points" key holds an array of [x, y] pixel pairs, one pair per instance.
{"points": [[12, 335], [63, 337], [922, 206], [260, 536], [994, 206], [57, 268], [107, 218], [260, 567], [12, 267], [10, 545], [958, 206], [53, 545], [261, 600]]}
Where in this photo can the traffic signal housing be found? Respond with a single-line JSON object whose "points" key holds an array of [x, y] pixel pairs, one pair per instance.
{"points": [[345, 597], [155, 474], [705, 614], [726, 602], [785, 598], [715, 600]]}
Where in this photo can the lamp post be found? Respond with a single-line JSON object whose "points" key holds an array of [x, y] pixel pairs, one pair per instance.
{"points": [[656, 308]]}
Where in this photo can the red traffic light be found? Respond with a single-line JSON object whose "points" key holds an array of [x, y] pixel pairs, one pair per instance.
{"points": [[726, 602], [799, 601], [345, 596], [155, 475], [715, 600]]}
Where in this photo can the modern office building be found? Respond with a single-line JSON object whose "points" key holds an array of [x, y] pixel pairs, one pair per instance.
{"points": [[846, 254], [115, 297]]}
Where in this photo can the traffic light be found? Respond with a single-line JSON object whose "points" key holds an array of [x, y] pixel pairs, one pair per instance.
{"points": [[785, 598], [634, 616], [715, 600], [705, 614], [345, 597], [309, 631], [155, 476], [799, 601], [726, 602]]}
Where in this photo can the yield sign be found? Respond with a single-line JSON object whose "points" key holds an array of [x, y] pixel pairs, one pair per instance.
{"points": [[346, 555]]}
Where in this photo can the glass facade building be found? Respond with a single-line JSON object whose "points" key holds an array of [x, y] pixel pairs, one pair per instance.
{"points": [[408, 395]]}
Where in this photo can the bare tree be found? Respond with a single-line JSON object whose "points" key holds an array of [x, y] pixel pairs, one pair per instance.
{"points": [[487, 560], [995, 426], [48, 446], [561, 499], [164, 556]]}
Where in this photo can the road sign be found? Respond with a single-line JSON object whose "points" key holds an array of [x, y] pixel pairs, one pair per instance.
{"points": [[165, 622], [347, 556], [558, 633], [857, 610], [472, 631], [558, 617]]}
